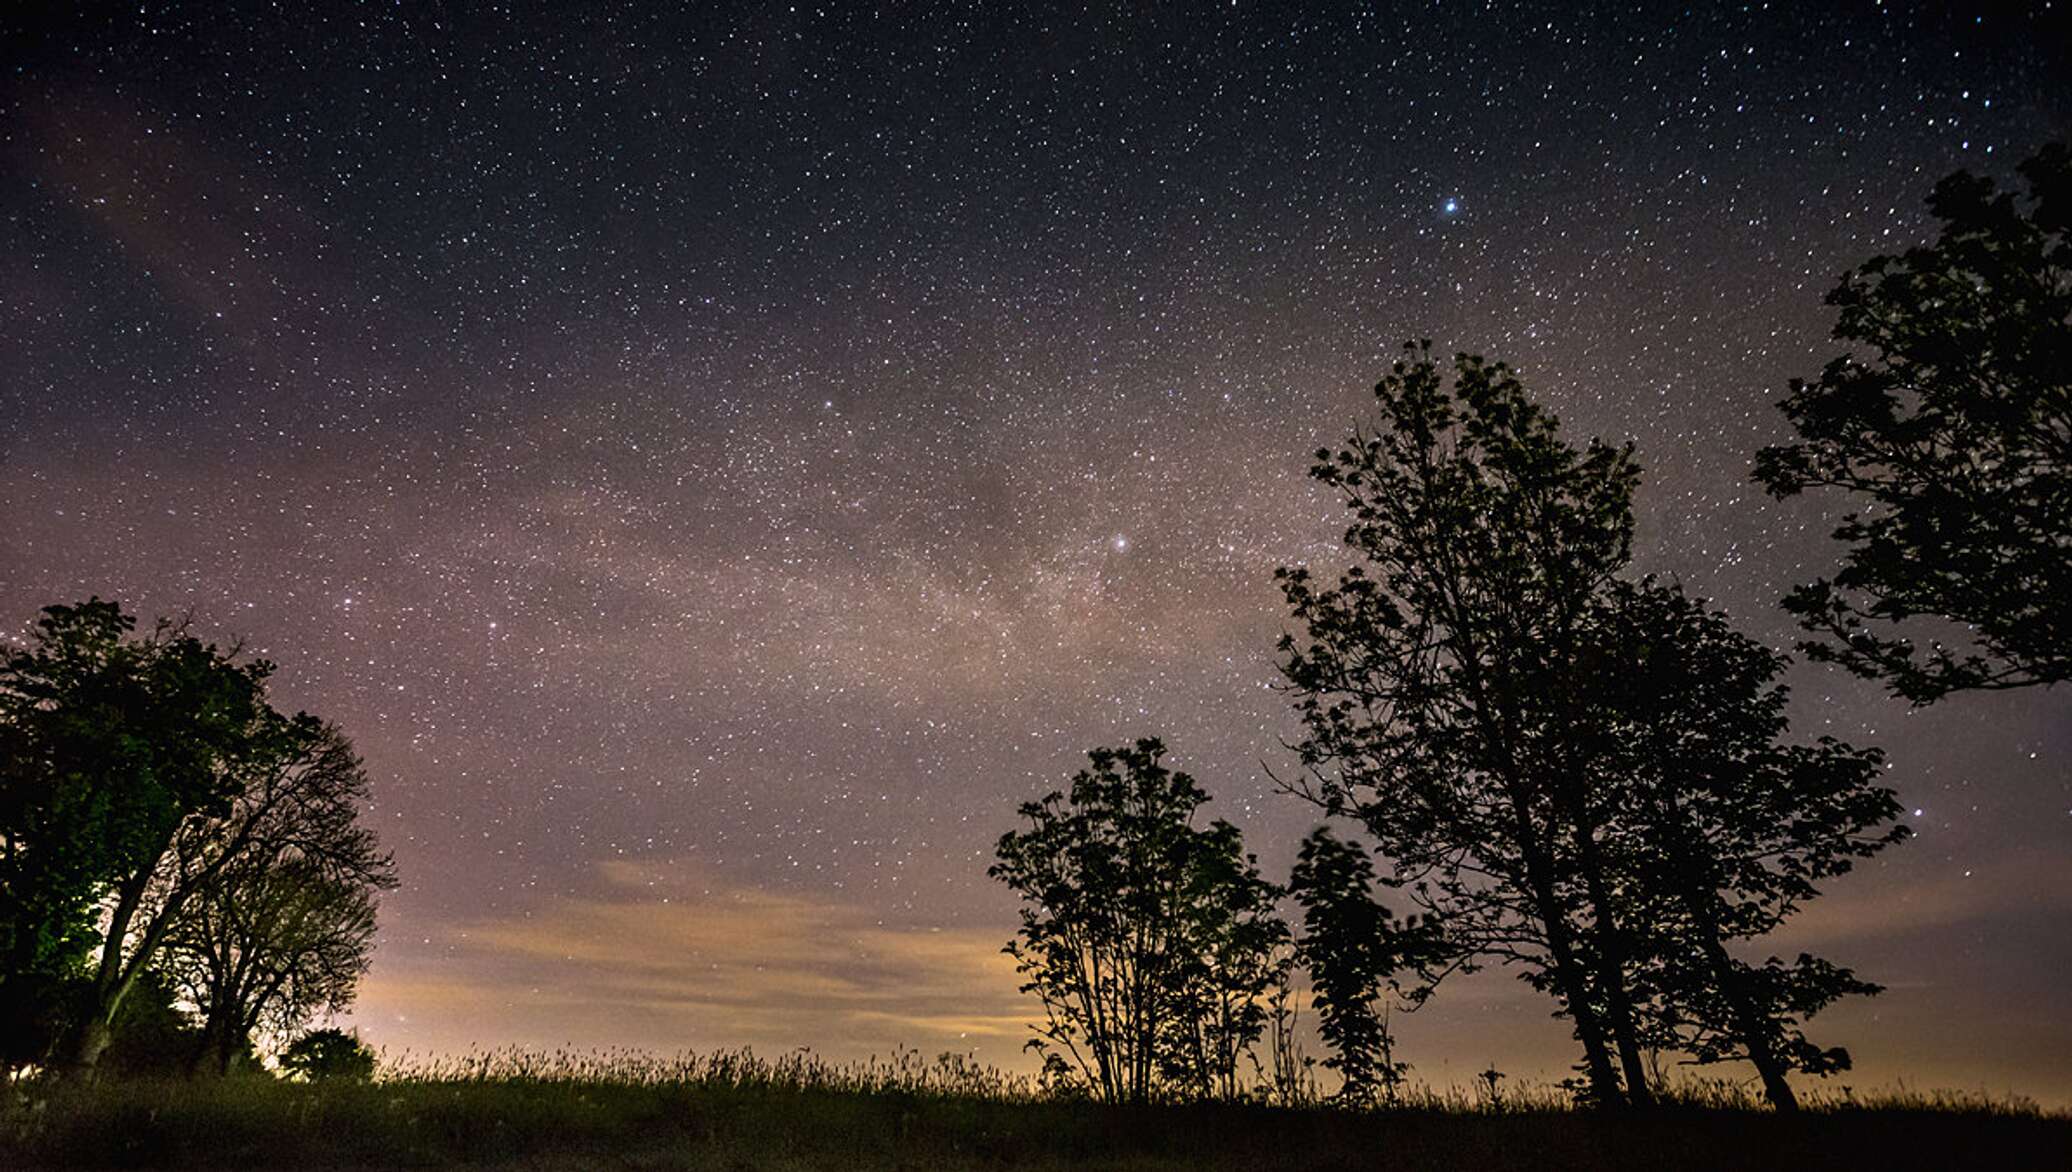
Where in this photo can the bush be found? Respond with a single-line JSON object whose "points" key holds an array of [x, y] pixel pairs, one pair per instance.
{"points": [[329, 1054]]}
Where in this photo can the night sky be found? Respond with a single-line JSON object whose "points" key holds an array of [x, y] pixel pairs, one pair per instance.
{"points": [[715, 466]]}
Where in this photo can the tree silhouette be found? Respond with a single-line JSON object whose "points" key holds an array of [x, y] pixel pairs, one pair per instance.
{"points": [[114, 744], [1720, 829], [1953, 437], [289, 929], [142, 776], [1427, 679], [1353, 947], [328, 1054], [1568, 771], [1233, 957], [1151, 944]]}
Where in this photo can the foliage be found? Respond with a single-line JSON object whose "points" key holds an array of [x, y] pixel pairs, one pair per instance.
{"points": [[1151, 944], [1353, 948], [327, 1054], [1569, 772], [112, 744], [1952, 435], [1723, 829]]}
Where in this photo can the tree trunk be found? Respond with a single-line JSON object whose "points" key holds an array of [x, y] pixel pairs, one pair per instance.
{"points": [[91, 1037], [1700, 898], [220, 1046], [1611, 976], [1755, 1030], [112, 978], [1568, 979], [1749, 1019], [1540, 875], [89, 1042], [1539, 872]]}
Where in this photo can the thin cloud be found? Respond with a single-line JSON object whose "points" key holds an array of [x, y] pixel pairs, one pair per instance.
{"points": [[663, 958]]}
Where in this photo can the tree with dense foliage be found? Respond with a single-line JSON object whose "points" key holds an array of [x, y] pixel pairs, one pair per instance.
{"points": [[1423, 678], [328, 1054], [1568, 771], [141, 777], [288, 931], [1721, 828], [1353, 948], [1952, 434], [192, 859], [1234, 958], [113, 744], [1152, 944]]}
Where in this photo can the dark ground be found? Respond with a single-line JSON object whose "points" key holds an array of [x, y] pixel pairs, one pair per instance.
{"points": [[258, 1123]]}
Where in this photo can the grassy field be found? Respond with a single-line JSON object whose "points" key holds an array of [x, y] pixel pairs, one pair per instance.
{"points": [[735, 1112]]}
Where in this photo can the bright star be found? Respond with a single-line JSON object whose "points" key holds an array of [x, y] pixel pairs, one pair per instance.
{"points": [[1121, 543], [1451, 206]]}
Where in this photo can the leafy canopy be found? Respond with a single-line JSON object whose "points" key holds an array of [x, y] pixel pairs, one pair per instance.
{"points": [[1951, 433], [1151, 943], [109, 742]]}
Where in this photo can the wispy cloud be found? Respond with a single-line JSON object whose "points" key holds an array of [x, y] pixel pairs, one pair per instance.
{"points": [[663, 958]]}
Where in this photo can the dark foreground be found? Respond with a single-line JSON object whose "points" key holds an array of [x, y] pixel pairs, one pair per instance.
{"points": [[250, 1124]]}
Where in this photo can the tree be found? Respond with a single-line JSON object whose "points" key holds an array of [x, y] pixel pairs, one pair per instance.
{"points": [[1353, 948], [194, 858], [113, 744], [1232, 961], [1573, 772], [1953, 438], [143, 777], [1151, 944], [1426, 679], [289, 929], [1721, 828], [325, 1054]]}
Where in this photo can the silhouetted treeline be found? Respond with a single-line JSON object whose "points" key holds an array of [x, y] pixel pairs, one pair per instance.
{"points": [[1574, 772]]}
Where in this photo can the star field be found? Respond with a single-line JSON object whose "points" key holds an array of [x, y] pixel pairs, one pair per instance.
{"points": [[714, 466]]}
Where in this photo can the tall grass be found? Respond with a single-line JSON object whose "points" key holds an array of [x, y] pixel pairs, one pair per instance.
{"points": [[906, 1072], [737, 1110]]}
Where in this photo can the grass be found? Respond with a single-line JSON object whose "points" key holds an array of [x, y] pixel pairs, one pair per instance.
{"points": [[740, 1112]]}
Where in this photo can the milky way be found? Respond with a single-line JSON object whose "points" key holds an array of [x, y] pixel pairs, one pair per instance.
{"points": [[716, 466]]}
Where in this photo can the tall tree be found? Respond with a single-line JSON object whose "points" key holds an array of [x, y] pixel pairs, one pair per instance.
{"points": [[114, 744], [1951, 433], [1721, 828], [1426, 679], [288, 929], [1150, 943], [189, 861], [144, 779]]}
